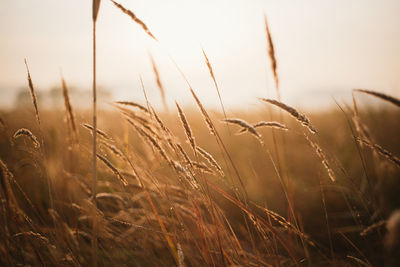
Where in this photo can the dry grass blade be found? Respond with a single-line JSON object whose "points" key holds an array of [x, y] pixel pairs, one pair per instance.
{"points": [[134, 18], [381, 151], [272, 124], [141, 118], [133, 104], [112, 168], [361, 128], [245, 125], [158, 81], [95, 11], [271, 54], [160, 122], [2, 123], [151, 140], [359, 261], [297, 115], [33, 95], [4, 183], [27, 133], [210, 69], [372, 227], [33, 235], [323, 158], [257, 219], [116, 151], [382, 96], [68, 107], [210, 159], [183, 153], [5, 169], [188, 175], [186, 126], [286, 224], [144, 93], [201, 166], [203, 111], [98, 131], [105, 195], [181, 256]]}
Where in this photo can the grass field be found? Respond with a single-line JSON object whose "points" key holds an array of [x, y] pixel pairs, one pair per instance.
{"points": [[199, 187]]}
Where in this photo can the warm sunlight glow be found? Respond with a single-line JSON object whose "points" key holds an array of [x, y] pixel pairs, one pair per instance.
{"points": [[323, 48]]}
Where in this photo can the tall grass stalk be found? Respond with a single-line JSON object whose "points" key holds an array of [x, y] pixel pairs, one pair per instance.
{"points": [[95, 12]]}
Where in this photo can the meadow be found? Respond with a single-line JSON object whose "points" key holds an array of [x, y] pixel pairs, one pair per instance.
{"points": [[194, 186]]}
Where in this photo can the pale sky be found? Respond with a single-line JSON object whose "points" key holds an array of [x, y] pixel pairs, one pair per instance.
{"points": [[323, 48]]}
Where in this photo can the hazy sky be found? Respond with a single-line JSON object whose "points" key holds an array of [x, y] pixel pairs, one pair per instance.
{"points": [[322, 47]]}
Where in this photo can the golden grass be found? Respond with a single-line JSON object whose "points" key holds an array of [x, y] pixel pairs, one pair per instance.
{"points": [[27, 133], [293, 112], [169, 207], [33, 94], [134, 18], [272, 57]]}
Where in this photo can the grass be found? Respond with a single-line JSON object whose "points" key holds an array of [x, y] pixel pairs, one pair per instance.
{"points": [[170, 207], [178, 188]]}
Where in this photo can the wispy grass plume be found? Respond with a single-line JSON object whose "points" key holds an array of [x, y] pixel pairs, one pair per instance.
{"points": [[272, 57], [293, 112], [134, 18], [68, 107], [112, 168], [98, 131], [133, 104], [186, 126], [210, 159], [27, 133], [158, 81], [210, 69], [382, 96], [271, 124], [381, 151], [323, 158], [245, 125], [33, 95]]}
